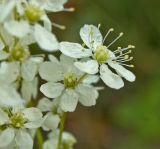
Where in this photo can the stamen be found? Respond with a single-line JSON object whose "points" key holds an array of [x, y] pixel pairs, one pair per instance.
{"points": [[109, 31], [126, 65], [120, 35], [99, 25], [62, 27], [69, 9]]}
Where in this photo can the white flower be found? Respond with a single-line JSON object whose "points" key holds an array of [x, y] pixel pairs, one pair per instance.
{"points": [[101, 57], [64, 84], [15, 122], [29, 13], [68, 140]]}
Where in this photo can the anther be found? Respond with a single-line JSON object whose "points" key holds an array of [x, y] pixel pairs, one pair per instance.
{"points": [[120, 35]]}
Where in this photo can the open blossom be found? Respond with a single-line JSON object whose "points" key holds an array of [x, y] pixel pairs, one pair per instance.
{"points": [[25, 21], [14, 125], [100, 57], [64, 83]]}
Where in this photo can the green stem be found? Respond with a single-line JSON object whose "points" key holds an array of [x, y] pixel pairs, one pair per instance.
{"points": [[62, 123], [39, 138], [2, 39], [82, 78]]}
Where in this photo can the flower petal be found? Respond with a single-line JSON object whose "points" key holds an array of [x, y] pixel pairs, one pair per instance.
{"points": [[74, 50], [51, 122], [88, 95], [29, 70], [17, 28], [109, 78], [32, 114], [90, 67], [3, 117], [6, 137], [24, 140], [7, 10], [69, 100], [45, 39], [29, 89], [128, 75], [91, 36], [50, 71], [45, 104], [52, 90], [9, 96]]}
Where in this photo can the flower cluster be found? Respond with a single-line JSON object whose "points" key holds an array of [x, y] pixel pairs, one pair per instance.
{"points": [[67, 80]]}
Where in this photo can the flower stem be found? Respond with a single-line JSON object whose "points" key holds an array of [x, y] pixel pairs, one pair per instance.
{"points": [[82, 78], [39, 138], [62, 123]]}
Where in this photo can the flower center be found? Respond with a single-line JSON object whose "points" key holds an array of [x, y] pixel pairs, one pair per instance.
{"points": [[17, 120], [19, 53], [70, 80], [101, 54], [33, 13]]}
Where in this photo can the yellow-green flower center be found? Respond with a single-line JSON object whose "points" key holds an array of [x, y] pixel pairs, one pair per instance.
{"points": [[70, 80], [19, 53], [101, 54], [33, 13], [17, 120]]}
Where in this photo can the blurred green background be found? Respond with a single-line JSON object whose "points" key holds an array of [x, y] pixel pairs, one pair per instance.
{"points": [[130, 117]]}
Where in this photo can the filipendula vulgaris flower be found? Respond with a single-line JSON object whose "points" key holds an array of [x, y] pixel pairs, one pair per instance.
{"points": [[15, 124], [25, 66], [101, 58], [27, 18], [65, 84], [68, 140]]}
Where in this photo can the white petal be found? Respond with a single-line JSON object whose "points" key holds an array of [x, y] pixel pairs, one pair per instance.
{"points": [[128, 75], [91, 36], [3, 55], [88, 95], [29, 70], [51, 122], [55, 5], [6, 137], [29, 89], [45, 39], [90, 67], [52, 90], [47, 22], [24, 140], [69, 100], [32, 114], [17, 28], [74, 50], [9, 96], [3, 117], [45, 104], [50, 71], [9, 72], [7, 10], [109, 78], [34, 124], [91, 79]]}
